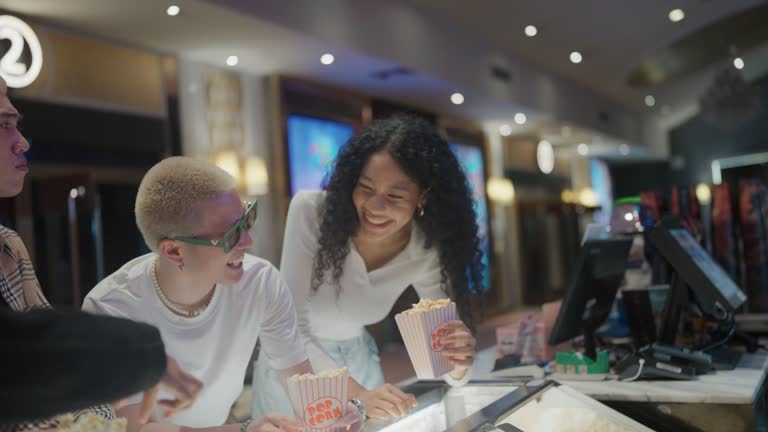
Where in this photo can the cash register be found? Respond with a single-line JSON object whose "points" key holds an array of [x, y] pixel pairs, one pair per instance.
{"points": [[588, 303], [695, 279]]}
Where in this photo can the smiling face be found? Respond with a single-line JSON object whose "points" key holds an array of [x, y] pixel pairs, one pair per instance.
{"points": [[12, 148], [215, 217], [385, 199]]}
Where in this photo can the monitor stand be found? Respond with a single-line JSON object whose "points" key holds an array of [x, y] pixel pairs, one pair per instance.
{"points": [[590, 346], [677, 302]]}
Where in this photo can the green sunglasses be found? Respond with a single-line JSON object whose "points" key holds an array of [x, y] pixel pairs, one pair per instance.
{"points": [[232, 237]]}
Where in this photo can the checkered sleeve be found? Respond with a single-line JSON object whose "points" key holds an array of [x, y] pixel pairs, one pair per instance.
{"points": [[20, 291], [19, 288], [104, 411]]}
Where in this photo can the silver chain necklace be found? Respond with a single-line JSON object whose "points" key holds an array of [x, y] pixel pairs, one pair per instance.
{"points": [[171, 305]]}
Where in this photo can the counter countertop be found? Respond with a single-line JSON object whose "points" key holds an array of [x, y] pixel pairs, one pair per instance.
{"points": [[739, 386]]}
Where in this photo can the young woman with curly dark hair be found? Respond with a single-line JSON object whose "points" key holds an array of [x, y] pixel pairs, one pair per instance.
{"points": [[397, 211]]}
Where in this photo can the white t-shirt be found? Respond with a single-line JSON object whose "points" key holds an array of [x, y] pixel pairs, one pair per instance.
{"points": [[366, 297], [216, 345]]}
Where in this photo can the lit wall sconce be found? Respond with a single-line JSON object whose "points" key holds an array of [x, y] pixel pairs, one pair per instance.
{"points": [[704, 194], [588, 197], [500, 190], [585, 197], [256, 176], [568, 196], [251, 176], [227, 160]]}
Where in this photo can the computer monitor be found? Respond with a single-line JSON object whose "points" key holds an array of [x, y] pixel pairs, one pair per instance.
{"points": [[693, 271], [589, 300]]}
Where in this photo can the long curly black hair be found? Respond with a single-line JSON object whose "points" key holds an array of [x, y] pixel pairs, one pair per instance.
{"points": [[449, 220]]}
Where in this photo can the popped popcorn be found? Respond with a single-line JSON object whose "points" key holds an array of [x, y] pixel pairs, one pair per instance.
{"points": [[325, 374], [427, 305], [91, 423]]}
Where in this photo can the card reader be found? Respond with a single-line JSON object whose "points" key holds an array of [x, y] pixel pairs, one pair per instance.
{"points": [[637, 367], [701, 362]]}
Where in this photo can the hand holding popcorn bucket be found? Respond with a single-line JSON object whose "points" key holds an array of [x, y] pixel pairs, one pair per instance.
{"points": [[423, 329], [320, 401]]}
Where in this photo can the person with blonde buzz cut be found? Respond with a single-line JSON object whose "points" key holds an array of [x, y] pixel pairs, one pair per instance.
{"points": [[210, 299]]}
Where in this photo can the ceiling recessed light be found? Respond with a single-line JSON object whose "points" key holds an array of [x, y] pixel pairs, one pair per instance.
{"points": [[173, 10], [520, 118], [676, 15], [457, 98], [738, 63], [531, 31], [576, 57], [327, 59], [232, 60], [545, 156], [505, 130], [582, 149], [650, 100]]}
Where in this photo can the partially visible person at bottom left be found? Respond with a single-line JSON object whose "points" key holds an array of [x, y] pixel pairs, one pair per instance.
{"points": [[61, 361], [51, 358]]}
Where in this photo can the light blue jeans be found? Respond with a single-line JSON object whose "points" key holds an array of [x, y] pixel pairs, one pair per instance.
{"points": [[360, 355]]}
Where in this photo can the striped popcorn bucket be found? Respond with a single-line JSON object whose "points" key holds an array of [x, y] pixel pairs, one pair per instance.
{"points": [[423, 334], [320, 402]]}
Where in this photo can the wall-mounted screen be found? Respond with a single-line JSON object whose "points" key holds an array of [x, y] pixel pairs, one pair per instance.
{"points": [[471, 160], [313, 144], [600, 180]]}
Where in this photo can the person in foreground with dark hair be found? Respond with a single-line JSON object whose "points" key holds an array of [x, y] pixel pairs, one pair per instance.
{"points": [[57, 361], [397, 211]]}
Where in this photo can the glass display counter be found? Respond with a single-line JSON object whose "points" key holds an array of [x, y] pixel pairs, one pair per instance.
{"points": [[489, 406]]}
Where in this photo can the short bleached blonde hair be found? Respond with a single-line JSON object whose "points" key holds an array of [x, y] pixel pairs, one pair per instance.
{"points": [[169, 194]]}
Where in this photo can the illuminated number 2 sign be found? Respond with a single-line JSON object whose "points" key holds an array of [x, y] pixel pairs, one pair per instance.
{"points": [[17, 67]]}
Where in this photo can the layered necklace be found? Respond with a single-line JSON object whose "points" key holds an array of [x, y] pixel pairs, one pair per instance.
{"points": [[177, 308]]}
